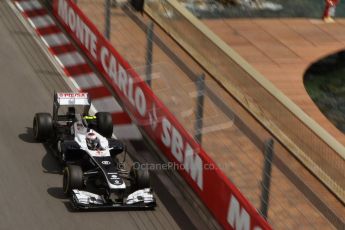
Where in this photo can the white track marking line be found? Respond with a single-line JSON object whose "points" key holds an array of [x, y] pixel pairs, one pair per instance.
{"points": [[57, 39], [39, 22], [107, 104], [28, 5], [70, 59]]}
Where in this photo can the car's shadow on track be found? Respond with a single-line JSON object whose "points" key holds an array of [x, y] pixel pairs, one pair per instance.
{"points": [[49, 163], [52, 166], [28, 136], [56, 192]]}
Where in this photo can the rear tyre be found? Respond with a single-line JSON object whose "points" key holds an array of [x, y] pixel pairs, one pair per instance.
{"points": [[42, 126], [141, 177], [104, 124], [72, 178]]}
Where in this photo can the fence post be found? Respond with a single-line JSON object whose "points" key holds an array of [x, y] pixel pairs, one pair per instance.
{"points": [[266, 177], [149, 50], [199, 108], [107, 18]]}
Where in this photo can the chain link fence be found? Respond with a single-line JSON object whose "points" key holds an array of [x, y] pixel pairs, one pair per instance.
{"points": [[324, 158]]}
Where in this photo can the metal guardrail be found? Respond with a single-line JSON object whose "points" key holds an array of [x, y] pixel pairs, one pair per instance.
{"points": [[309, 142]]}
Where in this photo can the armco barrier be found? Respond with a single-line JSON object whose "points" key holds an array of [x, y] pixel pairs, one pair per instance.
{"points": [[221, 197]]}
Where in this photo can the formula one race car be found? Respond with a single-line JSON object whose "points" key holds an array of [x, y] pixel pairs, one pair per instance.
{"points": [[92, 175]]}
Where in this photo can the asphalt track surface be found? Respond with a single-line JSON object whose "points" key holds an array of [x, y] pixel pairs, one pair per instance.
{"points": [[30, 183]]}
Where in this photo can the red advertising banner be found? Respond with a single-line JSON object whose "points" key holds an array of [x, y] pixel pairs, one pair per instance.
{"points": [[221, 197]]}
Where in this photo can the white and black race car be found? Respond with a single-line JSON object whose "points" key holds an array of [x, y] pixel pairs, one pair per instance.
{"points": [[92, 174]]}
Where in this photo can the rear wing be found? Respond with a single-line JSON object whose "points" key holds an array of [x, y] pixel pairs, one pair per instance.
{"points": [[71, 98]]}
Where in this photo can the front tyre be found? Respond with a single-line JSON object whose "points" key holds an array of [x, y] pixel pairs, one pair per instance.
{"points": [[42, 126], [72, 178], [141, 178]]}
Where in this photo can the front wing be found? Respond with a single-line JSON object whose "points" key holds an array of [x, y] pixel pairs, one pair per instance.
{"points": [[139, 200]]}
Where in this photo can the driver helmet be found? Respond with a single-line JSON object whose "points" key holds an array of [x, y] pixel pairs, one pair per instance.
{"points": [[92, 141]]}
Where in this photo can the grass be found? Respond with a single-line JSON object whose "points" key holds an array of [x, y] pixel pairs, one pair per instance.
{"points": [[325, 83]]}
